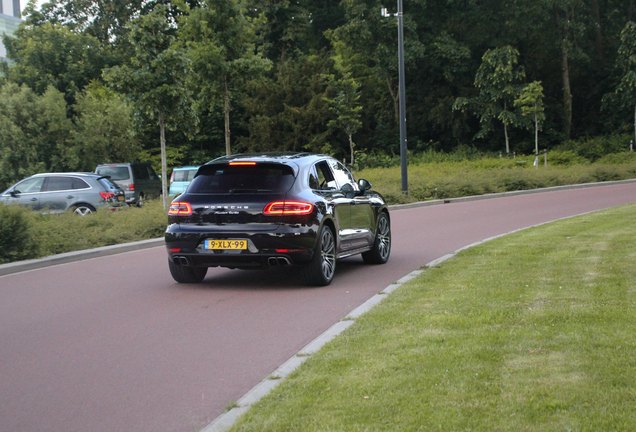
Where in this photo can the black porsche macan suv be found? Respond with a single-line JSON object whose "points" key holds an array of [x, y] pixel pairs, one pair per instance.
{"points": [[274, 209]]}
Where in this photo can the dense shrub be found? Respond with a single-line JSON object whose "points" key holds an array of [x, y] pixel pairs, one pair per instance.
{"points": [[618, 158], [16, 234], [595, 148], [565, 158]]}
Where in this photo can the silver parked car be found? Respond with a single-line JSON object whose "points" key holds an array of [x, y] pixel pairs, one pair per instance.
{"points": [[137, 179], [82, 193]]}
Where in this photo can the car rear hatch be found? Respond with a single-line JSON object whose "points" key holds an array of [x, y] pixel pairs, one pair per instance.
{"points": [[234, 196]]}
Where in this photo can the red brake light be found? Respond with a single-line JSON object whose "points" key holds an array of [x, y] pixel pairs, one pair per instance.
{"points": [[172, 177], [288, 208], [107, 195], [242, 163], [180, 209], [131, 187]]}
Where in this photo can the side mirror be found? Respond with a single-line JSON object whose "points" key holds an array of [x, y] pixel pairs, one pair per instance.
{"points": [[364, 185], [13, 193]]}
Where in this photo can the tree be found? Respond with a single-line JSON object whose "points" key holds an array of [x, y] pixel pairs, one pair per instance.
{"points": [[154, 81], [531, 102], [34, 132], [103, 130], [625, 92], [496, 81], [51, 54], [345, 107], [220, 43]]}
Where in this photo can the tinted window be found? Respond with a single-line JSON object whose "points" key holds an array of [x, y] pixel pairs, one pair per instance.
{"points": [[31, 185], [140, 172], [59, 183], [115, 173], [107, 183], [78, 183], [224, 178]]}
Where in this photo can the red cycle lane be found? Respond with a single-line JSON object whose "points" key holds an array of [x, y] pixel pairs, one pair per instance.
{"points": [[114, 344]]}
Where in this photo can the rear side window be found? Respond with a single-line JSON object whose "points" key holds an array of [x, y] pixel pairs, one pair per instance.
{"points": [[184, 175], [115, 173], [59, 184], [107, 183], [78, 183], [260, 178], [141, 172]]}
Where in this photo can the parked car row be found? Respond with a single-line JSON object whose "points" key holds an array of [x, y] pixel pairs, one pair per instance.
{"points": [[112, 186]]}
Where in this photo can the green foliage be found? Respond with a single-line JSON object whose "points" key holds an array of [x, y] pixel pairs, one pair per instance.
{"points": [[497, 81], [566, 158], [70, 62], [17, 241], [103, 131], [594, 148], [33, 132]]}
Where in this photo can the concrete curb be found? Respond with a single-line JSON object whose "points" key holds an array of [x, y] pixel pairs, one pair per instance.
{"points": [[227, 419], [20, 266], [63, 258]]}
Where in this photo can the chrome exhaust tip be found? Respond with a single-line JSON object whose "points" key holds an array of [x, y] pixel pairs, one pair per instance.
{"points": [[278, 261]]}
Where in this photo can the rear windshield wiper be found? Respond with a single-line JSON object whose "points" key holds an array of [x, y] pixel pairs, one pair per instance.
{"points": [[249, 190]]}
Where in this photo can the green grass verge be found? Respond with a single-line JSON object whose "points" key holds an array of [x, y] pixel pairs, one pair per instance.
{"points": [[533, 331], [491, 175]]}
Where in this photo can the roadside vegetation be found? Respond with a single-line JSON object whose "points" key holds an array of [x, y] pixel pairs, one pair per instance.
{"points": [[529, 332], [25, 234]]}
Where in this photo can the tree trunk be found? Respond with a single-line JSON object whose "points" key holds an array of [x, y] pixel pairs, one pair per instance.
{"points": [[226, 98], [164, 167], [599, 34], [351, 147], [565, 70], [396, 101], [506, 134], [567, 92], [536, 135]]}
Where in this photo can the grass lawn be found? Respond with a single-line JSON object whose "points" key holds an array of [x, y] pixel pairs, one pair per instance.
{"points": [[534, 331]]}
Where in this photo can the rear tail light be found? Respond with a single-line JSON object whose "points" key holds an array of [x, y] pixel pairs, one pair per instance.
{"points": [[180, 209], [172, 177], [280, 208], [131, 187], [107, 195]]}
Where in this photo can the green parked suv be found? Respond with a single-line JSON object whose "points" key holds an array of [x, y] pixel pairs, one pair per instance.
{"points": [[137, 179]]}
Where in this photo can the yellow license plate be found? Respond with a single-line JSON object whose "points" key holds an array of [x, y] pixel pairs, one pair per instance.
{"points": [[225, 244], [120, 198]]}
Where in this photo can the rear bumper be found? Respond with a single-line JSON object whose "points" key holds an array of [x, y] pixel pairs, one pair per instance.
{"points": [[286, 245]]}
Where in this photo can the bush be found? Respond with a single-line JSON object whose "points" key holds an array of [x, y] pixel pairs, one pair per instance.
{"points": [[595, 148], [618, 158], [565, 158], [16, 234]]}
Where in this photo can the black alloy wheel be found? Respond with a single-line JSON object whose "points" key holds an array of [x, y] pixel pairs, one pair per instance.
{"points": [[381, 250], [184, 274], [321, 268]]}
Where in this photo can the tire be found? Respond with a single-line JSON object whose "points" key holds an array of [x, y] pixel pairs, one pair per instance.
{"points": [[321, 268], [381, 250], [82, 209], [184, 274], [140, 201]]}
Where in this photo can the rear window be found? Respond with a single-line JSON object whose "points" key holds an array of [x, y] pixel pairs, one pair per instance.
{"points": [[184, 175], [260, 178], [107, 183], [115, 173]]}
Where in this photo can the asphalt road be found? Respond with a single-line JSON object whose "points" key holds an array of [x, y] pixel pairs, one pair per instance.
{"points": [[113, 344]]}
